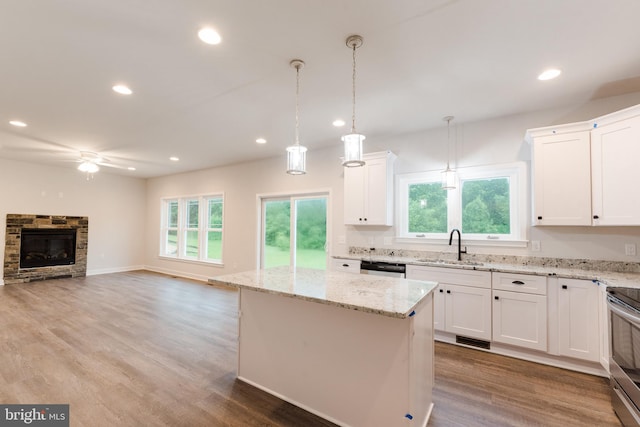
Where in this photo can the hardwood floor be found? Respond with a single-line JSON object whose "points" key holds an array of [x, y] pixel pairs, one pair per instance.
{"points": [[143, 349]]}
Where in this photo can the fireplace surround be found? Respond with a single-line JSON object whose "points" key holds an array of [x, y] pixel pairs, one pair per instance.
{"points": [[47, 225]]}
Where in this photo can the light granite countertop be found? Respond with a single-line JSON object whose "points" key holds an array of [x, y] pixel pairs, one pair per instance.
{"points": [[387, 296], [595, 270]]}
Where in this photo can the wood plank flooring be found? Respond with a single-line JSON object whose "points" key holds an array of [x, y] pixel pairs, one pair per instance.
{"points": [[143, 349]]}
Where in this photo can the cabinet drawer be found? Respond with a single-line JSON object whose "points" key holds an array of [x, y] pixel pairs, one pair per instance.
{"points": [[346, 265], [524, 283]]}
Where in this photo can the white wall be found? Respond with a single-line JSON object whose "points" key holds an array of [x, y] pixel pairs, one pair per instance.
{"points": [[241, 184], [114, 204]]}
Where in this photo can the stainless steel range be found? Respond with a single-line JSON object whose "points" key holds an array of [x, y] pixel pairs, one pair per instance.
{"points": [[624, 330]]}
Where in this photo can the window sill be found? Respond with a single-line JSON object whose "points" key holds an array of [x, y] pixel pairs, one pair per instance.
{"points": [[465, 242], [192, 261]]}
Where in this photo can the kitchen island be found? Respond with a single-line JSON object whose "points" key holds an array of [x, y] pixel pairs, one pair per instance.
{"points": [[354, 349]]}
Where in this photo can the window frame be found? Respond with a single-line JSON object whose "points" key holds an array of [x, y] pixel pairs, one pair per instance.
{"points": [[516, 172], [184, 227]]}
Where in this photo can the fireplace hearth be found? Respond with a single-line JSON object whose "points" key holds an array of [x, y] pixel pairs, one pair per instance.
{"points": [[39, 247]]}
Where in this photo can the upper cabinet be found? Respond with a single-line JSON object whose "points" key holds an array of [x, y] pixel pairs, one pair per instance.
{"points": [[582, 171], [368, 191], [562, 177], [615, 150]]}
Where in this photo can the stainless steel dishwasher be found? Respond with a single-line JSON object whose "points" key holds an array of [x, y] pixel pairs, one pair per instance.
{"points": [[381, 268]]}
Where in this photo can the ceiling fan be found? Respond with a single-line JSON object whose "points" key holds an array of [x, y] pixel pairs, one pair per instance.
{"points": [[90, 163]]}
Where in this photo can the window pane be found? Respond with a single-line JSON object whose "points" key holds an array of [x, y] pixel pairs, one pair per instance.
{"points": [[427, 208], [485, 206], [276, 233], [311, 233], [192, 213], [214, 245], [192, 243], [172, 214], [171, 244], [215, 213]]}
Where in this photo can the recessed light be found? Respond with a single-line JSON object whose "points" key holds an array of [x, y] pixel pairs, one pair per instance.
{"points": [[209, 36], [131, 168], [174, 159], [18, 123], [261, 141], [338, 123], [549, 74], [122, 90]]}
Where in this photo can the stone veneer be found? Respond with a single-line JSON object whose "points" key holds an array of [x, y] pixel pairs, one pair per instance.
{"points": [[17, 222]]}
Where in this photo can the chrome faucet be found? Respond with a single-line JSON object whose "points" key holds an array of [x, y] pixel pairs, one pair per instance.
{"points": [[460, 251]]}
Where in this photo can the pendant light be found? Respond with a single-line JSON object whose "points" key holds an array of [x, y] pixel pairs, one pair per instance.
{"points": [[296, 153], [448, 175], [353, 141]]}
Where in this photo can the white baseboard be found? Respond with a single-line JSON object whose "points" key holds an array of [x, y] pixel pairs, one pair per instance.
{"points": [[177, 273], [95, 272]]}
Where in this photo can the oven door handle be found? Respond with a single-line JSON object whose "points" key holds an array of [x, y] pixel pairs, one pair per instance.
{"points": [[622, 312]]}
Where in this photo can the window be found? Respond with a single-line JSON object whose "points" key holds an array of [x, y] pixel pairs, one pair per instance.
{"points": [[294, 231], [192, 228], [488, 204]]}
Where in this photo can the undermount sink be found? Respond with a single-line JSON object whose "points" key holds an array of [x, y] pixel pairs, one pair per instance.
{"points": [[451, 262]]}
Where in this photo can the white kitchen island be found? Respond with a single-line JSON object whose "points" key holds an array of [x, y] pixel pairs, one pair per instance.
{"points": [[354, 349]]}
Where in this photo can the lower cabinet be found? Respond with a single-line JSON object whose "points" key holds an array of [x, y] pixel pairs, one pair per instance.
{"points": [[578, 319], [520, 310], [520, 319], [462, 301]]}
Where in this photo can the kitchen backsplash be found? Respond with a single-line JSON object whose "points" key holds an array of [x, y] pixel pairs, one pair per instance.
{"points": [[584, 264]]}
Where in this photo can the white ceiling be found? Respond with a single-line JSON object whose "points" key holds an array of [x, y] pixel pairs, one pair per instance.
{"points": [[421, 60]]}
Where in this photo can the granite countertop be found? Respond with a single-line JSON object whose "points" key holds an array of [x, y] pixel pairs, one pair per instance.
{"points": [[597, 271], [387, 296]]}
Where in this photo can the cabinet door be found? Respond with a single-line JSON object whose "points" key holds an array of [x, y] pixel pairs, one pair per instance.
{"points": [[376, 204], [354, 179], [468, 311], [520, 319], [438, 308], [562, 179], [578, 319], [615, 153]]}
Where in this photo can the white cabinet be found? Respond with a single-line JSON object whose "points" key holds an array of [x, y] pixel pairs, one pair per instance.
{"points": [[346, 265], [562, 176], [462, 301], [615, 150], [520, 310], [578, 319], [583, 173], [368, 191]]}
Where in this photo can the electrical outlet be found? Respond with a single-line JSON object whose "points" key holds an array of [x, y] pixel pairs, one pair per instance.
{"points": [[388, 241], [535, 245], [630, 249], [372, 241], [342, 240]]}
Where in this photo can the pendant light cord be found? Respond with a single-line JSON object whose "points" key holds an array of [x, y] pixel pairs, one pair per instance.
{"points": [[297, 94], [353, 92]]}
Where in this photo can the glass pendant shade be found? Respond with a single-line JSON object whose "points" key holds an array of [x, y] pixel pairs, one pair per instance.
{"points": [[88, 167], [353, 150], [448, 179], [296, 160]]}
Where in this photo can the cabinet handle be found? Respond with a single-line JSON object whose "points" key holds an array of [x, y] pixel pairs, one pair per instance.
{"points": [[496, 298], [448, 291], [517, 282], [539, 217], [359, 219], [365, 219], [564, 286], [441, 290], [596, 217], [345, 265]]}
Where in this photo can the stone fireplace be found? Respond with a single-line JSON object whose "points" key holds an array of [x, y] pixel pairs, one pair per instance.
{"points": [[39, 247]]}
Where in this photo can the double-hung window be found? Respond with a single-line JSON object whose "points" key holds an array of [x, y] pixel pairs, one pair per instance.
{"points": [[488, 204], [192, 228]]}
